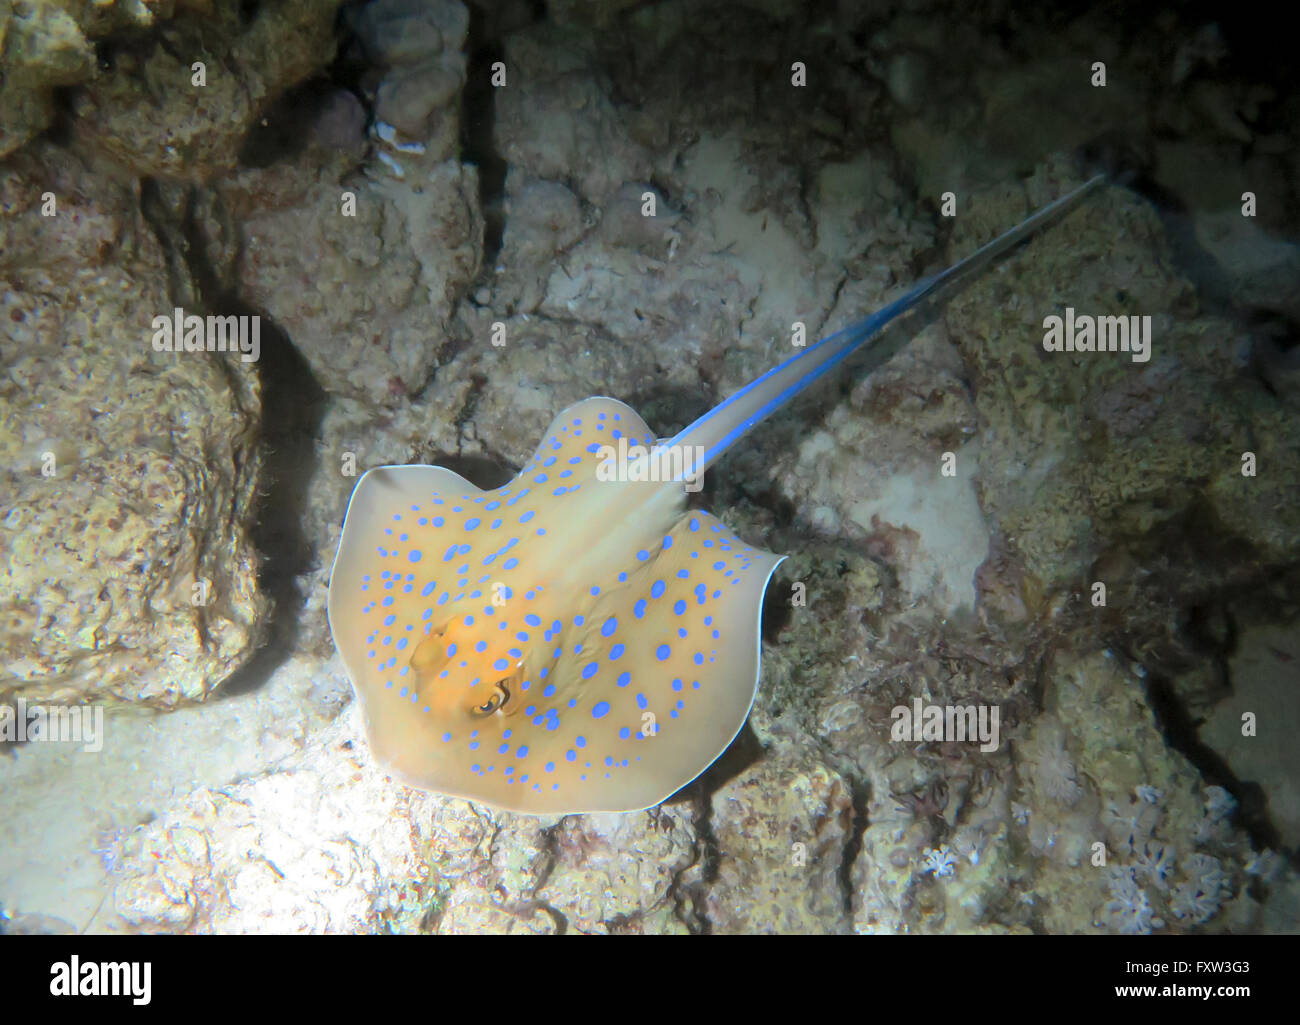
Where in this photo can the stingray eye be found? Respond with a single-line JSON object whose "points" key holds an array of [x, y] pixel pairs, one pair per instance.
{"points": [[499, 697]]}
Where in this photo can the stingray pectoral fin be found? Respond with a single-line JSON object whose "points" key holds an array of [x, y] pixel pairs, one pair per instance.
{"points": [[678, 654], [396, 571], [580, 438]]}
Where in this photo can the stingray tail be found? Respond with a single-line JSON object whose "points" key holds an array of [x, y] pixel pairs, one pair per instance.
{"points": [[725, 424]]}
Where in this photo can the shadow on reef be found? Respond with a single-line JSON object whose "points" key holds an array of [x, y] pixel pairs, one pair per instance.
{"points": [[292, 407]]}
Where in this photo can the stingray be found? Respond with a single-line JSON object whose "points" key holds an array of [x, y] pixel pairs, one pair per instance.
{"points": [[577, 640]]}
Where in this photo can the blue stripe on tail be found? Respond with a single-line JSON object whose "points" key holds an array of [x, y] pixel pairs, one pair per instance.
{"points": [[736, 415]]}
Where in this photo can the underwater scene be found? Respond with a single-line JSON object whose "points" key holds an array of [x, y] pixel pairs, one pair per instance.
{"points": [[620, 466]]}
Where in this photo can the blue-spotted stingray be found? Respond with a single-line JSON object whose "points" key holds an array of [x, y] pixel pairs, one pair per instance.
{"points": [[577, 640]]}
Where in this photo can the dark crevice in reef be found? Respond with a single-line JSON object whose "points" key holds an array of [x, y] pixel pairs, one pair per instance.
{"points": [[478, 129], [477, 384], [292, 406], [289, 120], [690, 899], [64, 114], [1216, 294], [860, 792], [1180, 731], [777, 610], [483, 471], [286, 124]]}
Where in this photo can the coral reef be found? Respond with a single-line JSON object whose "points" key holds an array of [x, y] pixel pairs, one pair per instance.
{"points": [[445, 263], [130, 573]]}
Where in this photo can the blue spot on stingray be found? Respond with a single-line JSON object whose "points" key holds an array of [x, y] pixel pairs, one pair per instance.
{"points": [[611, 624], [500, 665], [570, 755], [663, 652], [415, 555], [526, 516], [694, 524], [581, 741], [428, 589], [624, 679], [590, 670], [510, 563], [624, 732], [638, 609], [522, 752], [389, 620], [679, 607], [657, 589], [532, 620], [600, 710], [616, 652]]}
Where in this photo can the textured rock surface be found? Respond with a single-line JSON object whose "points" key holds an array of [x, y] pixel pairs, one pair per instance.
{"points": [[478, 290], [128, 473], [148, 111], [41, 47], [366, 298]]}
